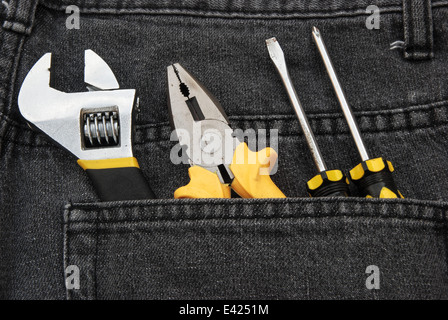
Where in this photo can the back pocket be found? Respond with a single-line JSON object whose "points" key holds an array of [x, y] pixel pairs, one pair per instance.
{"points": [[258, 249]]}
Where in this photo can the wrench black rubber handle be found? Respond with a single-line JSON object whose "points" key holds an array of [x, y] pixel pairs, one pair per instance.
{"points": [[114, 183]]}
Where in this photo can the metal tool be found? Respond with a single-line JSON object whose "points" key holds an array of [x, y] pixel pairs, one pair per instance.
{"points": [[219, 161], [96, 125], [327, 182], [372, 176]]}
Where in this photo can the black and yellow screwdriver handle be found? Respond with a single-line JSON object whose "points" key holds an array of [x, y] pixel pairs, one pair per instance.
{"points": [[329, 183], [374, 179], [117, 179]]}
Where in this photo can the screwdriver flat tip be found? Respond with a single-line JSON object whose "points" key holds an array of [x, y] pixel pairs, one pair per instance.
{"points": [[277, 56], [275, 51]]}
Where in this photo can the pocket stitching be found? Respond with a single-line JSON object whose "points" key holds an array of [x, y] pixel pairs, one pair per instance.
{"points": [[437, 211]]}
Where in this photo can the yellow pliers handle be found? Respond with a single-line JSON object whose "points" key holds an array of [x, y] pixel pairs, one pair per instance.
{"points": [[252, 179], [203, 184]]}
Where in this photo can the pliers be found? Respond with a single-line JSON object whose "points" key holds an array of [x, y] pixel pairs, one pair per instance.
{"points": [[219, 160]]}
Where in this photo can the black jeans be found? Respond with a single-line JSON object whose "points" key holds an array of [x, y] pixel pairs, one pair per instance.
{"points": [[295, 248]]}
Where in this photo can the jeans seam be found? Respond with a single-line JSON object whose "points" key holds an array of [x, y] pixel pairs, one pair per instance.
{"points": [[233, 14], [355, 215], [445, 237], [46, 143], [400, 203], [3, 84], [430, 122], [95, 266], [66, 252], [9, 76], [13, 73], [317, 116]]}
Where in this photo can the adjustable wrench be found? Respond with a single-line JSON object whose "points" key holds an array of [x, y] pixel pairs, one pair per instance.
{"points": [[96, 125]]}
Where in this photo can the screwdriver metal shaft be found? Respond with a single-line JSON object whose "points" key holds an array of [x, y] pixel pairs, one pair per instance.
{"points": [[327, 183], [373, 177], [340, 95], [277, 56]]}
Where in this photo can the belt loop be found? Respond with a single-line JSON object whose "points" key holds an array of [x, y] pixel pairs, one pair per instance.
{"points": [[418, 29], [19, 15]]}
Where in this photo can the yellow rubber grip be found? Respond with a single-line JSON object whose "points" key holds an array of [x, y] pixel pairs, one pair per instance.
{"points": [[108, 163], [374, 179], [203, 184], [317, 180], [386, 193], [252, 173]]}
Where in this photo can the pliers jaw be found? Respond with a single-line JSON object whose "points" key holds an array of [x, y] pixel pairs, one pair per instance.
{"points": [[200, 123], [189, 97], [202, 126]]}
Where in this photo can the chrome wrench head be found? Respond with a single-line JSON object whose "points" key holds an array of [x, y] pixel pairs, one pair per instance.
{"points": [[62, 116]]}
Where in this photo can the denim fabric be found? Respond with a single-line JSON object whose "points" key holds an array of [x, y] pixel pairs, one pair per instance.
{"points": [[256, 249], [293, 248]]}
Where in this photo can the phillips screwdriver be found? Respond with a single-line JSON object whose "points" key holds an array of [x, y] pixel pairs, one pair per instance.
{"points": [[373, 177], [326, 183]]}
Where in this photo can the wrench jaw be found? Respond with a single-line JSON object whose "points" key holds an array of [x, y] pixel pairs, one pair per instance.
{"points": [[62, 116], [96, 125], [97, 73]]}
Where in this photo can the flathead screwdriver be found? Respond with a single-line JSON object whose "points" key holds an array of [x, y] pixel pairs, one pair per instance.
{"points": [[373, 177], [327, 182]]}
